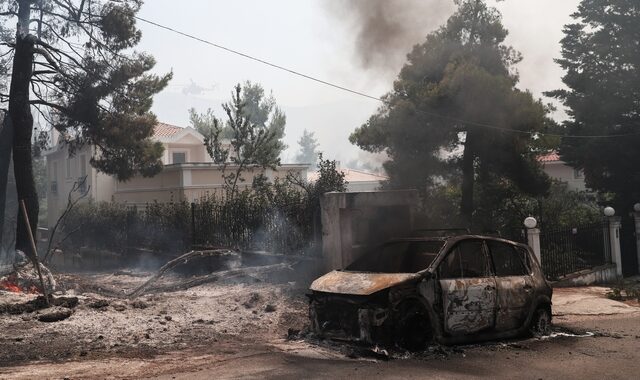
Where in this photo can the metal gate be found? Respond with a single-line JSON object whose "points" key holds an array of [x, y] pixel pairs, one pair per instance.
{"points": [[628, 247], [574, 249]]}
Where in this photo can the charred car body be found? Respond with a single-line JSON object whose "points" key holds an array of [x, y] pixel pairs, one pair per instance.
{"points": [[452, 290]]}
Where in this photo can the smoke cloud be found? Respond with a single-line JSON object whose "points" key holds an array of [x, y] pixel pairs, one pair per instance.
{"points": [[384, 31]]}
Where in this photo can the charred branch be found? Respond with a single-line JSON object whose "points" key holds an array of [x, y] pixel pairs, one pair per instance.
{"points": [[216, 276], [71, 203], [200, 280]]}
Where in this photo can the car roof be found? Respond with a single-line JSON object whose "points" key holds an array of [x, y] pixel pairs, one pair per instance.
{"points": [[453, 238]]}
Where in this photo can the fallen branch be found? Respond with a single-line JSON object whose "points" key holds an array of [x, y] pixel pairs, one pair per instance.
{"points": [[172, 264], [183, 285]]}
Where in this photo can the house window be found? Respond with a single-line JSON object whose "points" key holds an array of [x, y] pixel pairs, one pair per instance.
{"points": [[577, 174], [179, 157]]}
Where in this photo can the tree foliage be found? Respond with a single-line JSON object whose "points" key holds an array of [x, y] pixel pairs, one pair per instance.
{"points": [[85, 84], [455, 112], [251, 136], [69, 61], [308, 153], [601, 57]]}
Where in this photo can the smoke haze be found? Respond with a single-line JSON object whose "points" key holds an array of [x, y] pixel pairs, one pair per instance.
{"points": [[384, 31]]}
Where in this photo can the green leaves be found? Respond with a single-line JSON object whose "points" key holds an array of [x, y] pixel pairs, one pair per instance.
{"points": [[250, 137], [308, 153], [462, 72], [86, 83], [601, 57]]}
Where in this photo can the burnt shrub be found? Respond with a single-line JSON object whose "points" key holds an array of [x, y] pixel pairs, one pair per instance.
{"points": [[279, 216]]}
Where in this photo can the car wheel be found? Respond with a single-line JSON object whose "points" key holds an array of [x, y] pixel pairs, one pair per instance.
{"points": [[541, 322], [413, 330]]}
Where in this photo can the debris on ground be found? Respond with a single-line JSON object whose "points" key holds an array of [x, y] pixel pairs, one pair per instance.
{"points": [[54, 314], [38, 303], [99, 325], [98, 304], [139, 304], [375, 352], [253, 300], [150, 287], [22, 276]]}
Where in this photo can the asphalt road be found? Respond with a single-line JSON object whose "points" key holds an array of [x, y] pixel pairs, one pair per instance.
{"points": [[612, 353]]}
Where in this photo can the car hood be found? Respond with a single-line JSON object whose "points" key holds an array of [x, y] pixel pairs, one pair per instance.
{"points": [[359, 283]]}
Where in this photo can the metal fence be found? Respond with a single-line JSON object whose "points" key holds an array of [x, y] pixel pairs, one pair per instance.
{"points": [[571, 250], [283, 229], [180, 226], [517, 234]]}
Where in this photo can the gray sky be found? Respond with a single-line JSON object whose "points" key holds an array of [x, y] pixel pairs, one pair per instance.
{"points": [[307, 37]]}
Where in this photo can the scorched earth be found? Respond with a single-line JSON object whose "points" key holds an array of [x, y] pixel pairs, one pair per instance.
{"points": [[255, 327]]}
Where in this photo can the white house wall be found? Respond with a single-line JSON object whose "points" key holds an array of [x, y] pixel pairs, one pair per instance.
{"points": [[560, 171], [62, 178]]}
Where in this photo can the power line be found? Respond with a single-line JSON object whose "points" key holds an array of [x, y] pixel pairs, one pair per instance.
{"points": [[368, 96], [260, 60]]}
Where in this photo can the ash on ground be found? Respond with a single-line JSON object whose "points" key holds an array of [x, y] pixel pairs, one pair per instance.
{"points": [[104, 323]]}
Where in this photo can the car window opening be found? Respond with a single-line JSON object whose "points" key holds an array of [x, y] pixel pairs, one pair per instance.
{"points": [[398, 257]]}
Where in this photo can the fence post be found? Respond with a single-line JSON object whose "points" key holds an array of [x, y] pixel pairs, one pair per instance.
{"points": [[636, 219], [614, 236], [193, 224], [533, 239], [533, 236]]}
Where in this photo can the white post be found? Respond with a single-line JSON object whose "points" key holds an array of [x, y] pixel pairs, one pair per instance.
{"points": [[533, 238], [614, 234]]}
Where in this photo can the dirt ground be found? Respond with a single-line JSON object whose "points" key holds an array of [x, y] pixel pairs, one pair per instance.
{"points": [[104, 327], [240, 329]]}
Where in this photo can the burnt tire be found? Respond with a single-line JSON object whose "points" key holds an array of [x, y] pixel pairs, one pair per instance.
{"points": [[541, 322], [413, 328]]}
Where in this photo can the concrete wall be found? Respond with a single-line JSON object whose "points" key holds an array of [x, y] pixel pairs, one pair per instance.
{"points": [[358, 186], [353, 223], [605, 274]]}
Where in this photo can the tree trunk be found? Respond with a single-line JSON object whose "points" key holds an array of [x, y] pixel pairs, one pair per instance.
{"points": [[468, 173], [6, 141], [20, 113]]}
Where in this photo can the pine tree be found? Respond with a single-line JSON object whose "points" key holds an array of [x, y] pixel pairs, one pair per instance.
{"points": [[70, 65], [308, 153], [601, 57], [460, 80]]}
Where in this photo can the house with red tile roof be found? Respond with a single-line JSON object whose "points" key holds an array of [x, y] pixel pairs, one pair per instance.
{"points": [[557, 169], [189, 174]]}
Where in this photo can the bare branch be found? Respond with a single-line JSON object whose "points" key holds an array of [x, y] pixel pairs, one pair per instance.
{"points": [[49, 104], [71, 203], [48, 57]]}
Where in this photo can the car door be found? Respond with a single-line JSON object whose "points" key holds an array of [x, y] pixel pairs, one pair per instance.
{"points": [[468, 288], [514, 285]]}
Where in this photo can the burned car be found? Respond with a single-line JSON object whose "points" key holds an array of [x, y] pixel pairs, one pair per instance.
{"points": [[451, 290]]}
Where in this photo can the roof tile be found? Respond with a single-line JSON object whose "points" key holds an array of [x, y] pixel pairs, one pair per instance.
{"points": [[165, 130], [552, 156]]}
